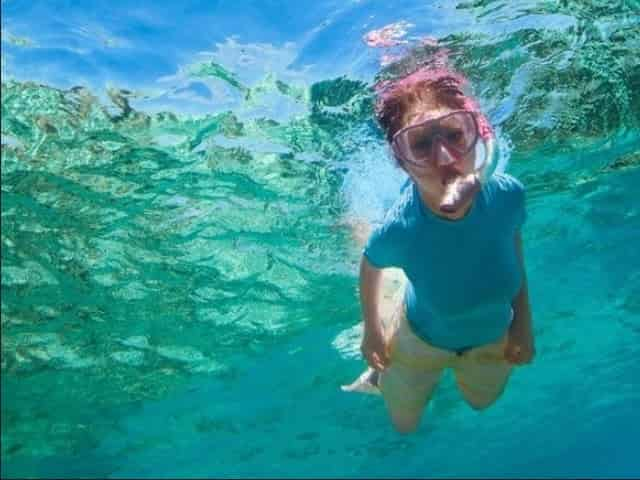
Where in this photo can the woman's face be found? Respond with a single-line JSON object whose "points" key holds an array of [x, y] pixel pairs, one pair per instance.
{"points": [[433, 177]]}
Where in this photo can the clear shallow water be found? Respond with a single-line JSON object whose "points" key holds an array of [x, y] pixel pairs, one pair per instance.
{"points": [[178, 279]]}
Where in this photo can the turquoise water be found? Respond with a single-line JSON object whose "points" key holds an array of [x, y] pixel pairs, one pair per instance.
{"points": [[179, 279]]}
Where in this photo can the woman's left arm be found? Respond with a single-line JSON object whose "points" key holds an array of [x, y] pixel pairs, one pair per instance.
{"points": [[520, 347]]}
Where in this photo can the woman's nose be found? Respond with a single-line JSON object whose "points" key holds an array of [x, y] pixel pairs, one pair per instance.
{"points": [[443, 156]]}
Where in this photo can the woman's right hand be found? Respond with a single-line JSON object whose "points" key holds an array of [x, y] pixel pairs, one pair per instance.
{"points": [[374, 348]]}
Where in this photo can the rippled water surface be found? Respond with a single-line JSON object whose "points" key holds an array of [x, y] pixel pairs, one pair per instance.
{"points": [[179, 279]]}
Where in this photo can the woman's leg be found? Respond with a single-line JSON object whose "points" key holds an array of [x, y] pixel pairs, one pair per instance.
{"points": [[411, 378], [482, 374], [406, 392]]}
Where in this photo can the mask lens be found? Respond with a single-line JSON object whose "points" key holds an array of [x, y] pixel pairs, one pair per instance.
{"points": [[418, 142], [457, 131]]}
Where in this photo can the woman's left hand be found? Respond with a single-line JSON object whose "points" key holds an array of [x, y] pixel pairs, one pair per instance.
{"points": [[519, 349]]}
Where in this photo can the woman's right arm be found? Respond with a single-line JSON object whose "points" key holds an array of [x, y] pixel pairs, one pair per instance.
{"points": [[374, 347]]}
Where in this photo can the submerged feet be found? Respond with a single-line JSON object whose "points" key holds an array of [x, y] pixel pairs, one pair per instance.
{"points": [[368, 382]]}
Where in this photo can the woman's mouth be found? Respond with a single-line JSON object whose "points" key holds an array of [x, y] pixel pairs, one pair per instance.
{"points": [[459, 190]]}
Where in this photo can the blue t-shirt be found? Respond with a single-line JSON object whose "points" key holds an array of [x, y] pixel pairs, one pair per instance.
{"points": [[463, 275]]}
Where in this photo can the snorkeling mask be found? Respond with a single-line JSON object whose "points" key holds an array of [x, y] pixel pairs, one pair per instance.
{"points": [[458, 134]]}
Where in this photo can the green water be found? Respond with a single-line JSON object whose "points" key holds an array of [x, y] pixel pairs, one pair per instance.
{"points": [[179, 293]]}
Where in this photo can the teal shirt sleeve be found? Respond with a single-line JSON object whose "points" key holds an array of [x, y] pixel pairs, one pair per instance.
{"points": [[386, 246], [383, 249]]}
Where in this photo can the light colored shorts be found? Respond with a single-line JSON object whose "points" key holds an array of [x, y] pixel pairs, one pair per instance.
{"points": [[481, 373]]}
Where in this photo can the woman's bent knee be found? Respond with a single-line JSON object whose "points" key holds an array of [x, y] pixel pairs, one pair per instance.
{"points": [[406, 424], [405, 428], [482, 404]]}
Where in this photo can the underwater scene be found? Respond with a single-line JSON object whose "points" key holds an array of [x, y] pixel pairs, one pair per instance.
{"points": [[179, 267]]}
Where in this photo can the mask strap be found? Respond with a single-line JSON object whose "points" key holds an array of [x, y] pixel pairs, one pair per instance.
{"points": [[485, 171]]}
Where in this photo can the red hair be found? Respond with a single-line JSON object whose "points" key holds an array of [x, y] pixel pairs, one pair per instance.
{"points": [[427, 85]]}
